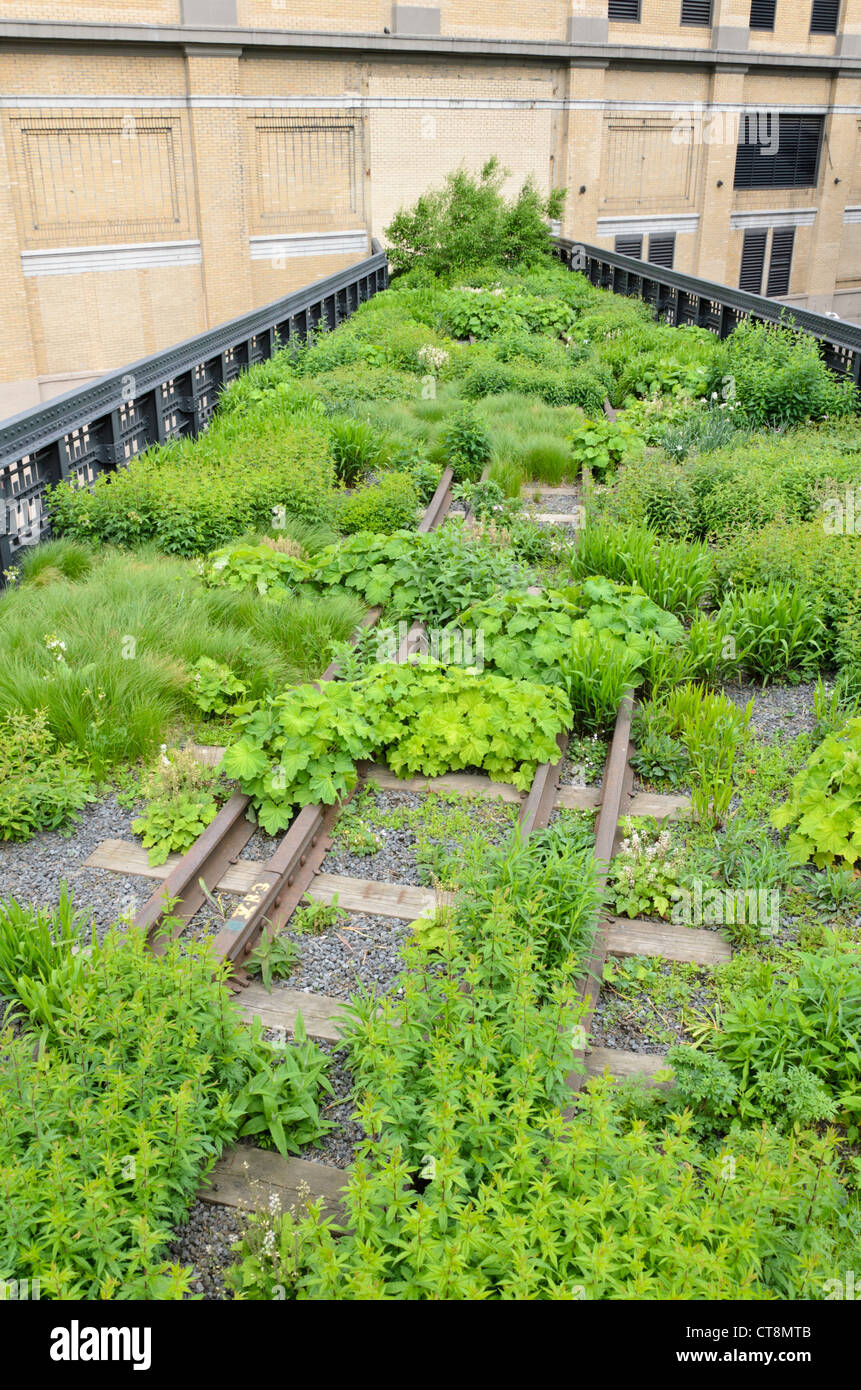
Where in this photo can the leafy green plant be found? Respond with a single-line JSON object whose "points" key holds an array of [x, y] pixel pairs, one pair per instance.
{"points": [[790, 1039], [216, 689], [120, 1091], [260, 567], [777, 632], [675, 576], [644, 873], [602, 445], [170, 825], [41, 787], [388, 505], [273, 958], [779, 377], [467, 445], [823, 809], [468, 223], [303, 748], [312, 918]]}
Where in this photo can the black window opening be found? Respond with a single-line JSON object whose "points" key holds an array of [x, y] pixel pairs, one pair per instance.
{"points": [[630, 246], [762, 14], [662, 249], [778, 151], [697, 12], [824, 16], [625, 10], [780, 266]]}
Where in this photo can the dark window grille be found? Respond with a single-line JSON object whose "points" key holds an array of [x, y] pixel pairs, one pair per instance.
{"points": [[762, 13], [697, 12], [662, 250], [622, 10], [630, 246], [752, 262], [823, 19], [780, 266], [789, 160]]}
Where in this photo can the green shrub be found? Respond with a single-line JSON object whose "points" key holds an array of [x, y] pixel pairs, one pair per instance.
{"points": [[788, 1046], [388, 505], [602, 445], [468, 223], [825, 568], [41, 788], [824, 808], [193, 496], [357, 449], [778, 377], [467, 446], [142, 1073]]}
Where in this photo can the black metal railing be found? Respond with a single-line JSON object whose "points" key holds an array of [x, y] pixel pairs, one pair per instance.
{"points": [[682, 299], [101, 427]]}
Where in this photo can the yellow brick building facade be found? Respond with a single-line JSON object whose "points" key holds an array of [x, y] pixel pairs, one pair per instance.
{"points": [[169, 165]]}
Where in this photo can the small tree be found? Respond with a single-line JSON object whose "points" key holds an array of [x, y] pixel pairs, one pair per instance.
{"points": [[468, 223]]}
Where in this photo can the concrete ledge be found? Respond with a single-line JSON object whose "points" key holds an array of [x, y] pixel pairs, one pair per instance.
{"points": [[29, 32]]}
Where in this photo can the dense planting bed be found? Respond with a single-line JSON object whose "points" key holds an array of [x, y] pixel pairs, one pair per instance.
{"points": [[197, 594]]}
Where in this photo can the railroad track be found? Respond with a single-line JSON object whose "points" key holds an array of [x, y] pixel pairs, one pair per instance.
{"points": [[268, 892]]}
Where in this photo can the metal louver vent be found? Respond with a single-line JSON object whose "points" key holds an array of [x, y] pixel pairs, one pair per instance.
{"points": [[791, 162], [697, 12], [630, 246], [752, 262], [823, 19], [762, 13], [662, 250], [621, 10], [780, 266]]}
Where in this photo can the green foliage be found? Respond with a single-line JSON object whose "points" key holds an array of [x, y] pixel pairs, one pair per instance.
{"points": [[779, 377], [389, 505], [468, 223], [602, 445], [824, 808], [675, 576], [589, 639], [430, 577], [313, 918], [171, 826], [259, 567], [788, 1048], [216, 689], [713, 730], [357, 449], [278, 1104], [643, 873], [777, 632], [189, 497], [142, 1073], [52, 561], [303, 748], [41, 787], [467, 446], [273, 958]]}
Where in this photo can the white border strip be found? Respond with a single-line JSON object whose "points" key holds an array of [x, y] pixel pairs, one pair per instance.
{"points": [[786, 217], [271, 248], [78, 260], [348, 101], [680, 223]]}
